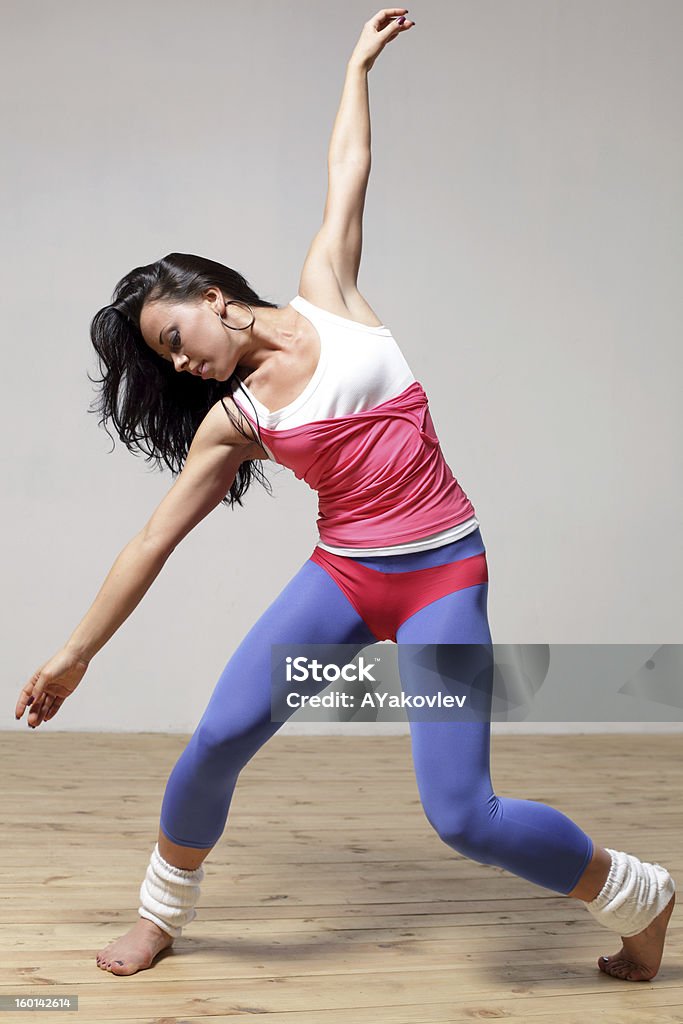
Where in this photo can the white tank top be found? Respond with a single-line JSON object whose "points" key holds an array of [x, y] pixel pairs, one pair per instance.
{"points": [[359, 368]]}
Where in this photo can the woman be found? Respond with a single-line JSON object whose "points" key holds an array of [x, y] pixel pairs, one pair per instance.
{"points": [[203, 374]]}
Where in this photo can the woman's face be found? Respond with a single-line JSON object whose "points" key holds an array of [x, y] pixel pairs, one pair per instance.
{"points": [[190, 335]]}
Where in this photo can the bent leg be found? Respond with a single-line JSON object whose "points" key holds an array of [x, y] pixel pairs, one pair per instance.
{"points": [[237, 720], [452, 759]]}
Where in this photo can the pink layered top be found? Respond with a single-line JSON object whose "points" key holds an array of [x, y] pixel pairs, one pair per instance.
{"points": [[377, 466]]}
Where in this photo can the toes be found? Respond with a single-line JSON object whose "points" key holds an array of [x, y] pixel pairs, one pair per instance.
{"points": [[120, 967], [625, 968], [613, 965]]}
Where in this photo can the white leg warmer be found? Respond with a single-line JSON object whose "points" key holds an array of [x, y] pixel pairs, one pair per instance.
{"points": [[168, 894], [633, 895]]}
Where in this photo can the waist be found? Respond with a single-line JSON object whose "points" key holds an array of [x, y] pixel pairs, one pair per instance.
{"points": [[449, 536]]}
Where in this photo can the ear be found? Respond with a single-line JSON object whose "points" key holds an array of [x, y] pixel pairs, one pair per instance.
{"points": [[215, 298]]}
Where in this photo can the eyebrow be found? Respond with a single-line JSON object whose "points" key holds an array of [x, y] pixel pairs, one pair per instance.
{"points": [[160, 333]]}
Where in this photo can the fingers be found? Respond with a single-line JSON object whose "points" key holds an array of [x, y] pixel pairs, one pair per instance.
{"points": [[40, 708], [393, 25], [27, 696], [55, 708], [22, 704], [388, 16], [37, 699], [48, 688]]}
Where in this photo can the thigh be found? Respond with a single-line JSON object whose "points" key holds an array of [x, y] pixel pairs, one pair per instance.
{"points": [[446, 646], [310, 609]]}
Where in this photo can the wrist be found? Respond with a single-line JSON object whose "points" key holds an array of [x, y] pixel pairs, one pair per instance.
{"points": [[358, 63], [78, 652]]}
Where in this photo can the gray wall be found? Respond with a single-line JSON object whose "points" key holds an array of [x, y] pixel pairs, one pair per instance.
{"points": [[522, 238]]}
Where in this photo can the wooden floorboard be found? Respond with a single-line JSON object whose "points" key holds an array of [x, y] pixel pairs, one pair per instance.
{"points": [[329, 899]]}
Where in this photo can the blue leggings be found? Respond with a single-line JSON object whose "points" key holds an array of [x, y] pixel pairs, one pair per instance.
{"points": [[451, 758]]}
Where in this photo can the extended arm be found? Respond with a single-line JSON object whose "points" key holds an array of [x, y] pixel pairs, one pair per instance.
{"points": [[348, 172], [211, 466], [338, 244], [209, 471], [351, 131]]}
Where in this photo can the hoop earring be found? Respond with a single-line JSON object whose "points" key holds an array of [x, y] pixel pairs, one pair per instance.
{"points": [[238, 303]]}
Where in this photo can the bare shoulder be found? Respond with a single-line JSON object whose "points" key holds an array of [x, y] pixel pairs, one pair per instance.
{"points": [[218, 428], [319, 284]]}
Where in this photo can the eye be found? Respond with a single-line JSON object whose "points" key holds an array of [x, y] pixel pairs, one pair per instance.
{"points": [[175, 342]]}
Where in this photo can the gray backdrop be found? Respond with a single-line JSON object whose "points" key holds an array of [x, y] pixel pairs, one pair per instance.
{"points": [[522, 239]]}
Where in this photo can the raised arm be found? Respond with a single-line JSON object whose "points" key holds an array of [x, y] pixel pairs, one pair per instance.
{"points": [[336, 249], [210, 468]]}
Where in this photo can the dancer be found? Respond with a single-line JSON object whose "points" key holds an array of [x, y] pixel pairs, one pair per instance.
{"points": [[205, 376]]}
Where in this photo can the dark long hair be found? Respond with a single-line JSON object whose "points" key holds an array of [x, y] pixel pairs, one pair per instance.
{"points": [[154, 409]]}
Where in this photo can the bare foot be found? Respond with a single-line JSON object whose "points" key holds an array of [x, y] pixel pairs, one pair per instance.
{"points": [[136, 950], [640, 956]]}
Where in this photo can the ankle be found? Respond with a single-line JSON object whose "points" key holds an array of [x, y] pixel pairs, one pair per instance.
{"points": [[152, 928], [634, 894], [168, 894]]}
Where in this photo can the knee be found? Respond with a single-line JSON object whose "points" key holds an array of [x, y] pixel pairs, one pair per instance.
{"points": [[217, 742], [467, 829]]}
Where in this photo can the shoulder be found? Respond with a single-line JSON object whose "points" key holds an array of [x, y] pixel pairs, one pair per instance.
{"points": [[319, 285], [219, 428]]}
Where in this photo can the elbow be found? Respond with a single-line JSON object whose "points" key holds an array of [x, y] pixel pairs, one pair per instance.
{"points": [[359, 158], [156, 544]]}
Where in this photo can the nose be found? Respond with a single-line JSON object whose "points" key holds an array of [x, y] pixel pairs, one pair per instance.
{"points": [[180, 362]]}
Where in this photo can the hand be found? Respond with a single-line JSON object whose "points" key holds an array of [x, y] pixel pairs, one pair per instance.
{"points": [[377, 32], [50, 685]]}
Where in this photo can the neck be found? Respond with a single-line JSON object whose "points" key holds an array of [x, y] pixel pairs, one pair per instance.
{"points": [[273, 330]]}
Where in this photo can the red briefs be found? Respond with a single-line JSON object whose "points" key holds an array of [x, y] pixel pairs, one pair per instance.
{"points": [[385, 600]]}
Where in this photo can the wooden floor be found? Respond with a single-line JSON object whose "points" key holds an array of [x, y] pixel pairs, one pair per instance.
{"points": [[329, 899]]}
